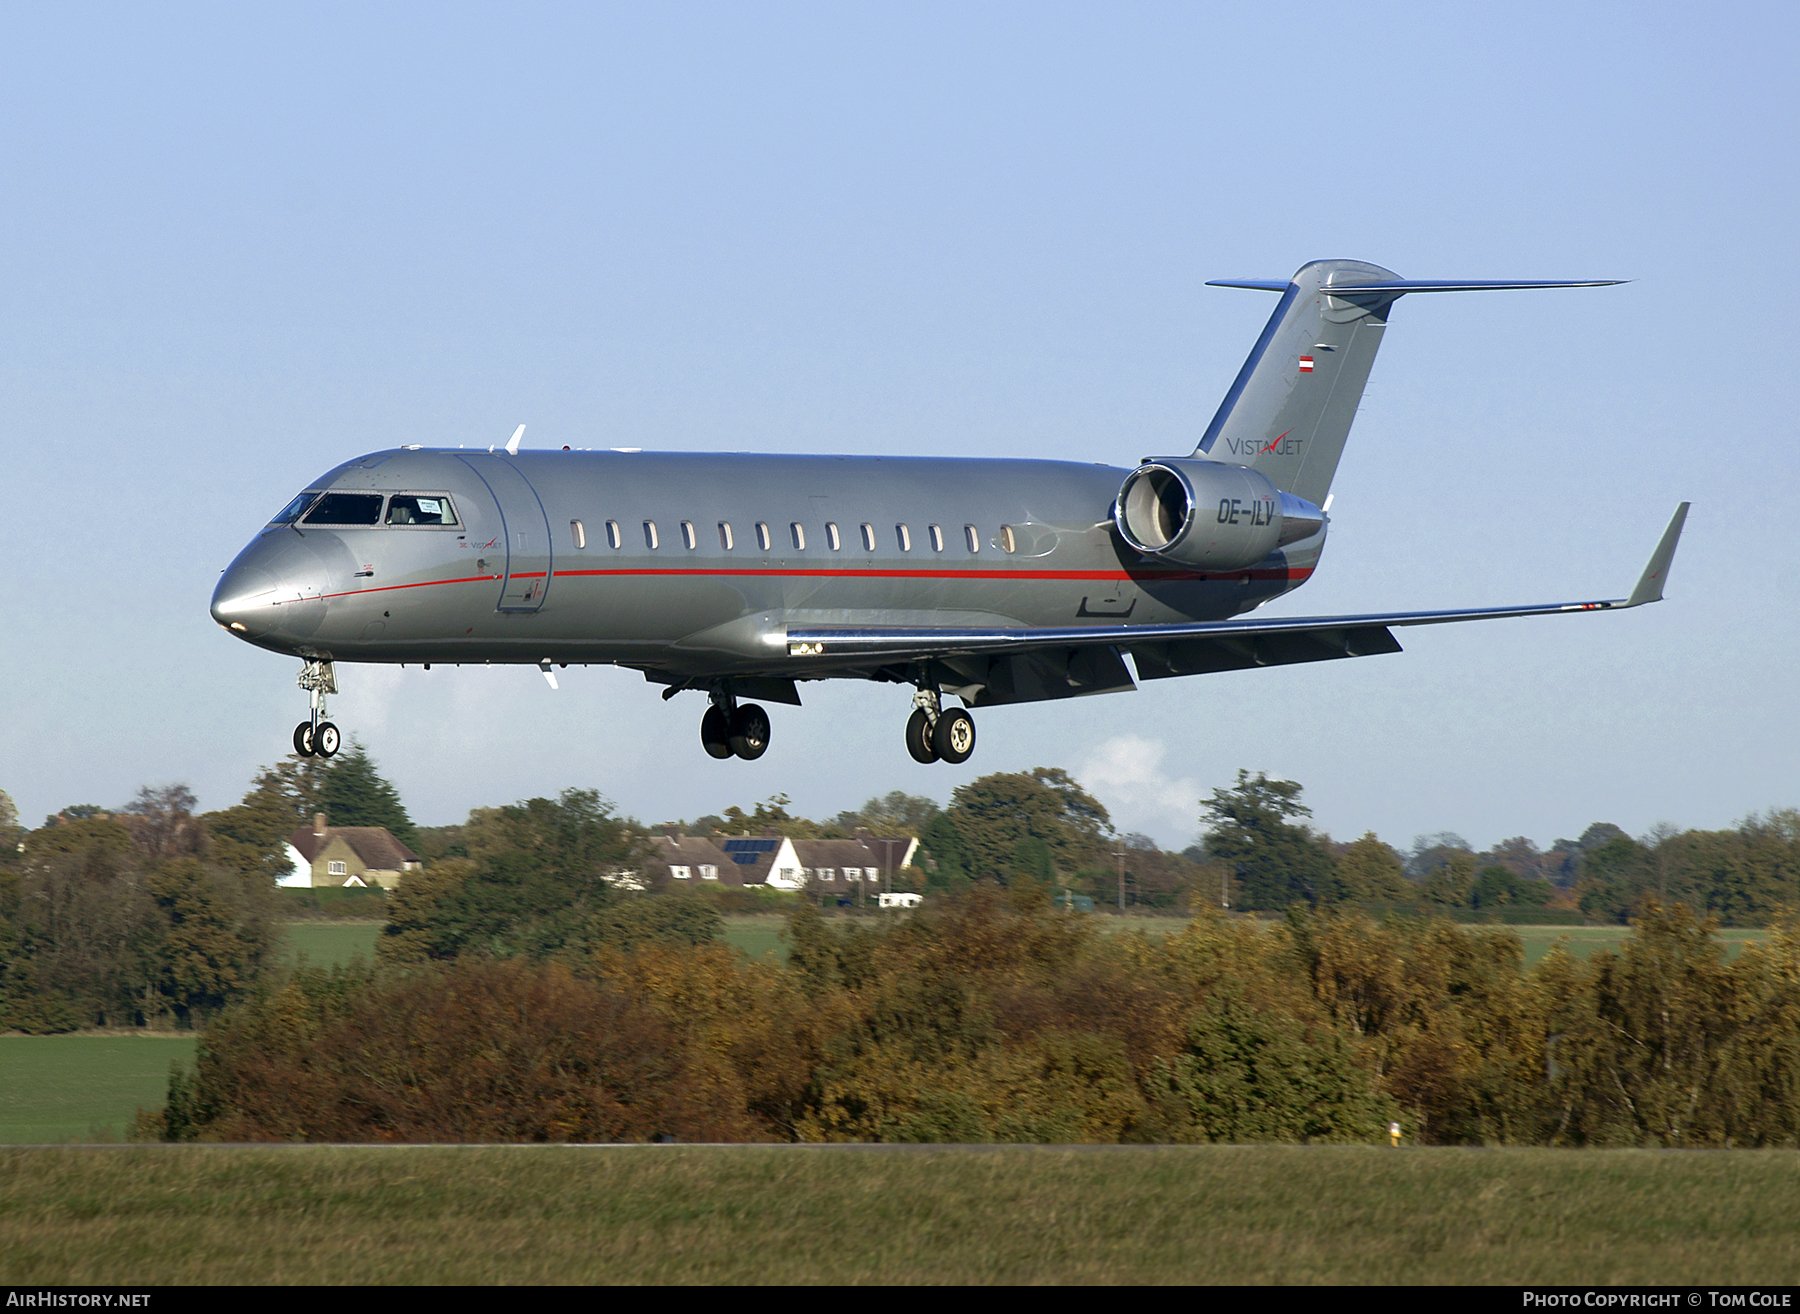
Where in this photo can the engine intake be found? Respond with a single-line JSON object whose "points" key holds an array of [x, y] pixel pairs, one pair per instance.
{"points": [[1209, 515]]}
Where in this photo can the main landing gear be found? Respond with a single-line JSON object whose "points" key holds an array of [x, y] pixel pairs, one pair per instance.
{"points": [[933, 733], [315, 736], [936, 735], [733, 729]]}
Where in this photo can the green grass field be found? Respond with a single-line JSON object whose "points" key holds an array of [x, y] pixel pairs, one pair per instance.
{"points": [[1580, 941], [758, 934], [157, 1215], [56, 1089], [328, 944], [1585, 941]]}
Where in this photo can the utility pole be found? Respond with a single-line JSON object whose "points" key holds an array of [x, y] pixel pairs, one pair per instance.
{"points": [[1120, 855]]}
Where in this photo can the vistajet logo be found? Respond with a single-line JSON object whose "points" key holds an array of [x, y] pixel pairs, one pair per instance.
{"points": [[1279, 445]]}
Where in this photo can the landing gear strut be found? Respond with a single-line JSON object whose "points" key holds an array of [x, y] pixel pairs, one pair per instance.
{"points": [[936, 735], [733, 729], [316, 736]]}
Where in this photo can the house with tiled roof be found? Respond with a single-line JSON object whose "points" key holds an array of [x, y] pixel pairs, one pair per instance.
{"points": [[348, 855], [827, 866], [686, 861]]}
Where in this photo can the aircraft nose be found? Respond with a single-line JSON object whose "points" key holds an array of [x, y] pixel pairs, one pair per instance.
{"points": [[244, 601]]}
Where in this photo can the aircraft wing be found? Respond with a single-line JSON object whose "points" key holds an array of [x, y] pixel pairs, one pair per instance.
{"points": [[1018, 664]]}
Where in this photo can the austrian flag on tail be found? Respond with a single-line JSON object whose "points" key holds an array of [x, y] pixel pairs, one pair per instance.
{"points": [[1306, 364]]}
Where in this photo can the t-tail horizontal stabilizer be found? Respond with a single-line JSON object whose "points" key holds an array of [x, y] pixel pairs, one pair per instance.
{"points": [[1288, 413], [1401, 286]]}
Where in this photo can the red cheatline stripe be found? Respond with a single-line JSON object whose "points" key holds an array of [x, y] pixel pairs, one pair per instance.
{"points": [[389, 588], [1294, 574]]}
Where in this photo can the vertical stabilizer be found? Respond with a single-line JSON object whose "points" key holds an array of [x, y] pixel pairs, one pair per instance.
{"points": [[1288, 413]]}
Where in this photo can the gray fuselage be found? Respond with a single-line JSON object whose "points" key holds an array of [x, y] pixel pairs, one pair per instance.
{"points": [[691, 566]]}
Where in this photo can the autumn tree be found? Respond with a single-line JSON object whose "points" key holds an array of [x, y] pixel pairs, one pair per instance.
{"points": [[1644, 1039], [252, 835], [538, 880], [1039, 823], [125, 921], [354, 793], [10, 831], [1614, 876], [162, 823], [893, 813], [479, 1050], [1369, 871], [1275, 861]]}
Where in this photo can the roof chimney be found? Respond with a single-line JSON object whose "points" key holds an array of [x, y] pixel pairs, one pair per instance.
{"points": [[318, 825]]}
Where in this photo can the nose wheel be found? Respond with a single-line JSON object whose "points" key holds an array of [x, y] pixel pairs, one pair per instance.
{"points": [[936, 735], [315, 736], [319, 741]]}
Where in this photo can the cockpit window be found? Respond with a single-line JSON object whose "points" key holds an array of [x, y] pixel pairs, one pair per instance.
{"points": [[346, 509], [420, 509], [295, 509]]}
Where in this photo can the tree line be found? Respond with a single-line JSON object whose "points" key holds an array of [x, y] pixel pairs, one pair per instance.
{"points": [[151, 915], [991, 1016]]}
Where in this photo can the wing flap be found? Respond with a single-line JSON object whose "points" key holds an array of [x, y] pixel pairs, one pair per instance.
{"points": [[1160, 661]]}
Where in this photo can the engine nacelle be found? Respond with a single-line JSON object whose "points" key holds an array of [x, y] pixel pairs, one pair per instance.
{"points": [[1208, 514]]}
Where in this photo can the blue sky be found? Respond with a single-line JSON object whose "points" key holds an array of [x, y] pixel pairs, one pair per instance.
{"points": [[242, 243]]}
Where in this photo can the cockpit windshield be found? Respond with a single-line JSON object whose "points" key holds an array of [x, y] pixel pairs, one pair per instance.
{"points": [[346, 509], [314, 507], [295, 509]]}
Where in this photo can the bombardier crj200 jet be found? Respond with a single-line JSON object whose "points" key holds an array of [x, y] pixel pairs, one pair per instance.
{"points": [[742, 575]]}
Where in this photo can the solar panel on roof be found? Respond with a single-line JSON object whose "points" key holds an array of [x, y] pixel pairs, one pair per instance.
{"points": [[752, 845]]}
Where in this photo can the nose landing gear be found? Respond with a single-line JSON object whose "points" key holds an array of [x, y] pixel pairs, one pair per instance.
{"points": [[317, 737]]}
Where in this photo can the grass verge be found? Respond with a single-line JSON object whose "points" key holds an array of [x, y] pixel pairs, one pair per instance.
{"points": [[676, 1214]]}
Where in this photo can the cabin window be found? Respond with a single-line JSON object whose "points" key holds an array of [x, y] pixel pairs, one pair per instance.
{"points": [[708, 872], [419, 509], [678, 873], [650, 537], [798, 530], [868, 533], [832, 540], [937, 538], [688, 538], [762, 535], [346, 509], [337, 869], [904, 535], [972, 538], [1008, 543], [725, 535], [578, 532], [614, 539]]}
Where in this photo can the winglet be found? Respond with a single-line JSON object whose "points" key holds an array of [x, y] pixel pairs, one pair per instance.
{"points": [[512, 444], [1656, 574]]}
